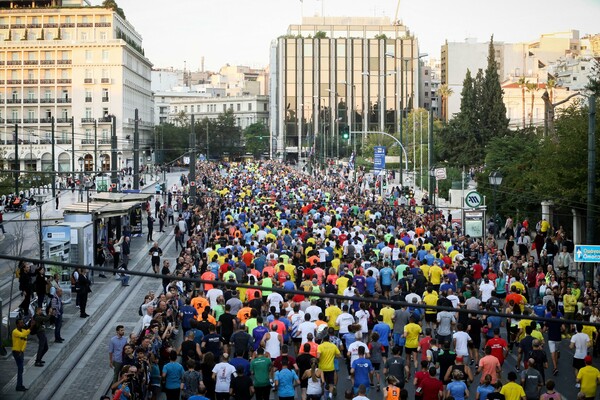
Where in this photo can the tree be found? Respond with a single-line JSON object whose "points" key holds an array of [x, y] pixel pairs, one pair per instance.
{"points": [[494, 122], [532, 88], [445, 91], [522, 82], [256, 139], [181, 119], [112, 4]]}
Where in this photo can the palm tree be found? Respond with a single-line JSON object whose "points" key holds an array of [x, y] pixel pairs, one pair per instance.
{"points": [[551, 84], [444, 91], [181, 118], [532, 88], [522, 82]]}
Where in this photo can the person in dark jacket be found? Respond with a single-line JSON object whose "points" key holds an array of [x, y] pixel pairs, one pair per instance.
{"points": [[25, 285], [39, 285], [40, 331], [150, 222], [84, 289]]}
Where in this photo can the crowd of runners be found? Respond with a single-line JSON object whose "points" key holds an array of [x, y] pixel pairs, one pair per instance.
{"points": [[335, 282]]}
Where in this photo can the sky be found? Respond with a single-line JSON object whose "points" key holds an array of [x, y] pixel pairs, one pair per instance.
{"points": [[178, 33]]}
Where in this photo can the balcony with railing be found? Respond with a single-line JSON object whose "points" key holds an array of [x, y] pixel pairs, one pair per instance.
{"points": [[34, 26], [13, 82], [105, 80], [105, 99], [63, 100], [30, 82], [88, 80], [87, 141], [104, 141], [48, 100], [17, 26], [47, 81], [87, 120], [2, 101], [3, 26], [30, 101], [45, 120], [2, 62], [105, 119], [47, 62], [103, 24], [1, 81], [63, 141], [30, 62], [30, 121], [64, 61], [13, 120], [50, 25], [13, 62], [64, 80], [13, 101], [67, 25], [88, 99]]}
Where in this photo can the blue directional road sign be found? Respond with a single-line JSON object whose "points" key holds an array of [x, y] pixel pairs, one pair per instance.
{"points": [[379, 158], [587, 253]]}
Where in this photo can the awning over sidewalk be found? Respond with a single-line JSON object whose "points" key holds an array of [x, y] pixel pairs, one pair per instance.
{"points": [[121, 197], [102, 209]]}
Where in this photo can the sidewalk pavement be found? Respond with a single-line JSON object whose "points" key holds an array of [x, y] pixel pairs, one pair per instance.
{"points": [[108, 304]]}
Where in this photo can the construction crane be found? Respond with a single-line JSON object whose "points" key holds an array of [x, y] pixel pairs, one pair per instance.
{"points": [[396, 21]]}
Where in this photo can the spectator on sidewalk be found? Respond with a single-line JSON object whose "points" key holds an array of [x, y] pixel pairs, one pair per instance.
{"points": [[19, 343], [115, 351], [57, 311], [39, 329]]}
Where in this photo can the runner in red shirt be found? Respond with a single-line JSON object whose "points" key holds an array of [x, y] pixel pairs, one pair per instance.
{"points": [[499, 346]]}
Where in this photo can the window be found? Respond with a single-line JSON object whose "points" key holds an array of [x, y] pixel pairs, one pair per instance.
{"points": [[583, 67], [66, 35], [249, 106], [84, 37], [64, 113], [88, 134], [48, 94], [426, 72], [426, 94], [574, 78], [14, 114], [48, 55], [88, 56], [16, 36], [88, 74], [192, 108], [104, 55], [48, 113], [30, 74], [105, 74], [30, 115], [31, 95], [103, 35], [104, 95], [88, 112], [224, 107], [105, 134], [68, 19], [84, 19], [265, 106], [15, 95], [185, 109], [88, 96], [239, 107], [65, 55], [14, 56], [426, 84]]}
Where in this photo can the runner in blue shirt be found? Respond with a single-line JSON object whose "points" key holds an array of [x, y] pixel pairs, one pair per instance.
{"points": [[362, 370]]}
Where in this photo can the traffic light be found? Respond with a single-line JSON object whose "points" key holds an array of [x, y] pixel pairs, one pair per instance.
{"points": [[345, 132]]}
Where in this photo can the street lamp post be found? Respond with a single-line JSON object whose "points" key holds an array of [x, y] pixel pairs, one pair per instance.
{"points": [[401, 104], [495, 179], [80, 161], [39, 202], [88, 184]]}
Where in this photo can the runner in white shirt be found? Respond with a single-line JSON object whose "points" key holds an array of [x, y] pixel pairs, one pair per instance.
{"points": [[307, 327], [486, 289], [353, 348], [344, 320], [275, 300], [461, 340]]}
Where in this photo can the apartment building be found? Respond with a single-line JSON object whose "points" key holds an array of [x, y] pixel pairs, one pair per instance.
{"points": [[81, 66]]}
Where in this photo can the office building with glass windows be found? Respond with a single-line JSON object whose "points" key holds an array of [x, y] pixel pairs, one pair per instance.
{"points": [[333, 78]]}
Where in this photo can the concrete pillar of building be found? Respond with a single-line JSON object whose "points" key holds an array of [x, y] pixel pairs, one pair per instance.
{"points": [[546, 210], [576, 226]]}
